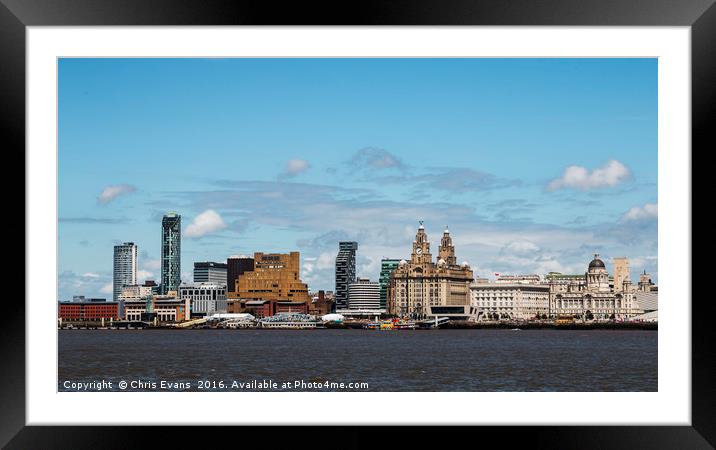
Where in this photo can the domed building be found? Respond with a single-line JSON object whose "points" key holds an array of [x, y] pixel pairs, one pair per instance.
{"points": [[597, 277], [591, 296], [421, 288]]}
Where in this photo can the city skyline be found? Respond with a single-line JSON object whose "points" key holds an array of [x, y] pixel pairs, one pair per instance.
{"points": [[533, 164]]}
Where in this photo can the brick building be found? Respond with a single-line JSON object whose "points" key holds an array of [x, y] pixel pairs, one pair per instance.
{"points": [[78, 311]]}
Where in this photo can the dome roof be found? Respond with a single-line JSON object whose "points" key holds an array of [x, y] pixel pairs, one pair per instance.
{"points": [[597, 263], [441, 262], [403, 262]]}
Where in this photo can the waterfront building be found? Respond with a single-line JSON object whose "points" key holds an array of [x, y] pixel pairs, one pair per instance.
{"points": [[210, 272], [204, 298], [125, 267], [387, 266], [363, 294], [171, 252], [162, 308], [591, 296], [345, 271], [235, 266], [89, 310], [515, 300], [621, 273], [276, 276], [422, 288]]}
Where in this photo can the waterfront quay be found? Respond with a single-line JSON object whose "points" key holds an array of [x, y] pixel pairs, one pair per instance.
{"points": [[308, 323]]}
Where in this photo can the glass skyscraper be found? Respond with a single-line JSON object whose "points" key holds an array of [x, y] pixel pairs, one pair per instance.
{"points": [[171, 252], [387, 266], [345, 272], [125, 268]]}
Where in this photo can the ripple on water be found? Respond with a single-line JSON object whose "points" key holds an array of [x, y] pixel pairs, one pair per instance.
{"points": [[437, 360]]}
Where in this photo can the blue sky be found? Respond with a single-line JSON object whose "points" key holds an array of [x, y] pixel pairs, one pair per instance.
{"points": [[534, 164]]}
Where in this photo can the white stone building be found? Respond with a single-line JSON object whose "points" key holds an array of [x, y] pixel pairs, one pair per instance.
{"points": [[591, 296], [517, 300]]}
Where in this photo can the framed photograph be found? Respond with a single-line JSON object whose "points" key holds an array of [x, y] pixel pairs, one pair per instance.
{"points": [[481, 219]]}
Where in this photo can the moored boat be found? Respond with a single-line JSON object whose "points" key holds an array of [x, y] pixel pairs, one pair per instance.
{"points": [[394, 324]]}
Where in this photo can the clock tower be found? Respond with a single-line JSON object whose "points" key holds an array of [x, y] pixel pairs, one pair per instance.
{"points": [[447, 250], [421, 247]]}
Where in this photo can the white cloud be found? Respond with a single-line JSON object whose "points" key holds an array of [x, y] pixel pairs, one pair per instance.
{"points": [[642, 261], [386, 228], [638, 213], [152, 264], [107, 288], [521, 247], [315, 269], [205, 223], [111, 192], [578, 177], [143, 275], [296, 166], [90, 275]]}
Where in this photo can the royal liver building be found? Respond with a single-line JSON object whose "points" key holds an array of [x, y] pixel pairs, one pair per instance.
{"points": [[422, 288], [592, 295]]}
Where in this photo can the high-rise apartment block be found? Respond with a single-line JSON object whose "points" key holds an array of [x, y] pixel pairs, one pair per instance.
{"points": [[125, 267], [345, 272], [171, 252]]}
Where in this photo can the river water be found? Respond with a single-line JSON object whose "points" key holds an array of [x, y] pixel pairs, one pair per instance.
{"points": [[318, 360]]}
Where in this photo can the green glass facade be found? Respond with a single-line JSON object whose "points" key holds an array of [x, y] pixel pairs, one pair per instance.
{"points": [[171, 252], [387, 266]]}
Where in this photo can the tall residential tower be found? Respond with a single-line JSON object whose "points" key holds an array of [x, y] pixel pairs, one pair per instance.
{"points": [[345, 272], [125, 268], [171, 252]]}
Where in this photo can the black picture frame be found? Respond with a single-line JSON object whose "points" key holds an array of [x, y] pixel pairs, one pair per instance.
{"points": [[700, 15]]}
